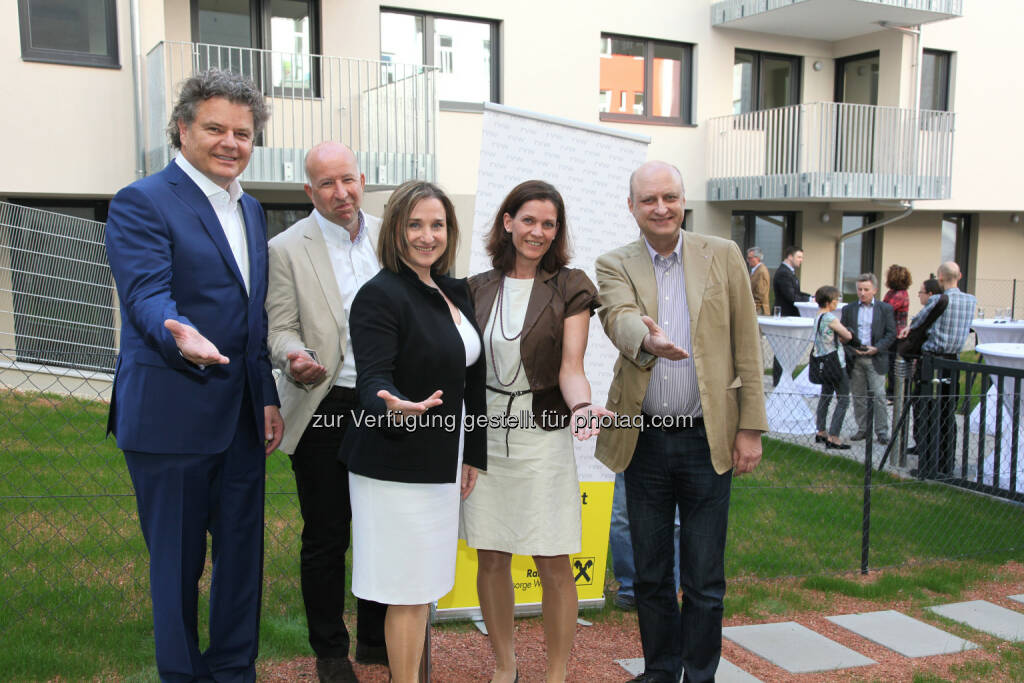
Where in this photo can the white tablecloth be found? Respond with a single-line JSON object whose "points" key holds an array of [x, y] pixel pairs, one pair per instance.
{"points": [[1007, 356], [993, 331], [791, 338], [809, 309]]}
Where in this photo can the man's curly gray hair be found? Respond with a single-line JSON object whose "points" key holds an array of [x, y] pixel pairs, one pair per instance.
{"points": [[233, 87]]}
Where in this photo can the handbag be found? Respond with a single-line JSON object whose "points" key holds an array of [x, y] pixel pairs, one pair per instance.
{"points": [[910, 346], [825, 368]]}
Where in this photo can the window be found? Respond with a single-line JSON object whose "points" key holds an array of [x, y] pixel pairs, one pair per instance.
{"points": [[464, 50], [280, 217], [956, 243], [237, 29], [762, 81], [79, 32], [773, 232], [645, 81], [857, 78], [935, 73], [858, 252]]}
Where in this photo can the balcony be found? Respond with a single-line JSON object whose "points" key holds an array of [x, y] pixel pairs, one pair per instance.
{"points": [[386, 112], [831, 151], [829, 20]]}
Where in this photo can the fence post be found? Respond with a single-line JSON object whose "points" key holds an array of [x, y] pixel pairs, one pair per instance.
{"points": [[900, 373], [1013, 300], [869, 435]]}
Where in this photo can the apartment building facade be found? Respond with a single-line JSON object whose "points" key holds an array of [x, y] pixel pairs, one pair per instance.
{"points": [[792, 121]]}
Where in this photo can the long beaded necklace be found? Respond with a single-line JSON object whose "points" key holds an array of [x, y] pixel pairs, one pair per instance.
{"points": [[501, 313]]}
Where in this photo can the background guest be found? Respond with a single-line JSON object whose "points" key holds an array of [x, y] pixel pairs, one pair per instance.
{"points": [[898, 281], [827, 329], [419, 374], [786, 286], [760, 280], [873, 324]]}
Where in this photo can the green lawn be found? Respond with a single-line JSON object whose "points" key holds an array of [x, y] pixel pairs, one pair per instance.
{"points": [[74, 590]]}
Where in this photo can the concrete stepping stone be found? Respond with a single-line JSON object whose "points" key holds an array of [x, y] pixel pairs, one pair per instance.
{"points": [[985, 616], [903, 634], [727, 671], [795, 648], [1018, 598]]}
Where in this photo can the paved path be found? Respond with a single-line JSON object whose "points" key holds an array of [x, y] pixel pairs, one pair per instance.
{"points": [[797, 649]]}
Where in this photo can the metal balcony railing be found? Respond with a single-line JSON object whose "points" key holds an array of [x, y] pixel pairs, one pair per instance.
{"points": [[831, 150], [725, 11], [385, 111]]}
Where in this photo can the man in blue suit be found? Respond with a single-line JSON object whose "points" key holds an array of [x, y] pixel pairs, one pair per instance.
{"points": [[194, 406]]}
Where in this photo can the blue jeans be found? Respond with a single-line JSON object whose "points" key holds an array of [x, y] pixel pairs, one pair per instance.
{"points": [[670, 471], [620, 544]]}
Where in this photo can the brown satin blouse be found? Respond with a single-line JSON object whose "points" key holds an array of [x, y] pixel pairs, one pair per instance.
{"points": [[555, 297]]}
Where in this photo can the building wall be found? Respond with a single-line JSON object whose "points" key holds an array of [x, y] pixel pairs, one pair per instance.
{"points": [[549, 63], [69, 128]]}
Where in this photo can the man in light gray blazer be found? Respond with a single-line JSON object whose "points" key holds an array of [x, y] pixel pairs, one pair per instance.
{"points": [[316, 267]]}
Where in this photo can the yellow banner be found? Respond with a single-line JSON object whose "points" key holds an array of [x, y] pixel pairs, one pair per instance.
{"points": [[588, 565]]}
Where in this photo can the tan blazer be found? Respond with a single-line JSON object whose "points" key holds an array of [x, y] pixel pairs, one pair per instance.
{"points": [[760, 283], [305, 310], [726, 345]]}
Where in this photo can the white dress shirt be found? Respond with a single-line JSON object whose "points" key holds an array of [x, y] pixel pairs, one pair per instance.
{"points": [[354, 262], [227, 205]]}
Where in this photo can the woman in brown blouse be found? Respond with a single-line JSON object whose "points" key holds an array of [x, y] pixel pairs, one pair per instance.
{"points": [[535, 316]]}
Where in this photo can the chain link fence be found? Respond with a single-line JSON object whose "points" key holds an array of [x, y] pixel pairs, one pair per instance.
{"points": [[999, 298], [70, 547], [72, 556]]}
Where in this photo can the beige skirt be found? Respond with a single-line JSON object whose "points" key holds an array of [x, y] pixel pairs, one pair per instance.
{"points": [[528, 500]]}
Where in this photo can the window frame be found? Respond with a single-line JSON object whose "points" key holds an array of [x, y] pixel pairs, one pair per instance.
{"points": [[962, 247], [758, 76], [259, 37], [946, 57], [427, 59], [110, 60], [686, 81], [750, 217]]}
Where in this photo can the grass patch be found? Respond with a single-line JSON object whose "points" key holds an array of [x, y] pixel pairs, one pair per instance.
{"points": [[801, 513], [74, 594]]}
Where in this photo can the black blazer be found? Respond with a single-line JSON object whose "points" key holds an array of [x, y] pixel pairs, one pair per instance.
{"points": [[883, 333], [404, 340], [787, 290]]}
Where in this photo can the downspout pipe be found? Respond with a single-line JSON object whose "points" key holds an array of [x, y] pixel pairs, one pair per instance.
{"points": [[140, 145], [908, 209]]}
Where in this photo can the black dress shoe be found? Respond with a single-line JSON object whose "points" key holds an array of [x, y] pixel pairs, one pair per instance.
{"points": [[335, 670], [837, 446], [818, 438], [911, 450], [371, 654]]}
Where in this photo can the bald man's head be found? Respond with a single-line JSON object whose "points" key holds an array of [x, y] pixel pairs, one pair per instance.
{"points": [[948, 274], [334, 184], [645, 170]]}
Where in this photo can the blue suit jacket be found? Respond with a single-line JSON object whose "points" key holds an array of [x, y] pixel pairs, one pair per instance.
{"points": [[170, 259]]}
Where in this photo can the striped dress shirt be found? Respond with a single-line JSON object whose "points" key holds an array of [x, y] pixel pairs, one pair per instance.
{"points": [[673, 388]]}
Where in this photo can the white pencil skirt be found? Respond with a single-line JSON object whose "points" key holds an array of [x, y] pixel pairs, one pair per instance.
{"points": [[404, 539]]}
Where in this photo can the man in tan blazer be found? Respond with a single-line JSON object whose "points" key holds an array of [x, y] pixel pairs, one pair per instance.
{"points": [[760, 280], [679, 309], [316, 267]]}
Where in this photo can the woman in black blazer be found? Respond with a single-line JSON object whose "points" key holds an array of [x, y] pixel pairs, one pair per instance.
{"points": [[420, 378]]}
